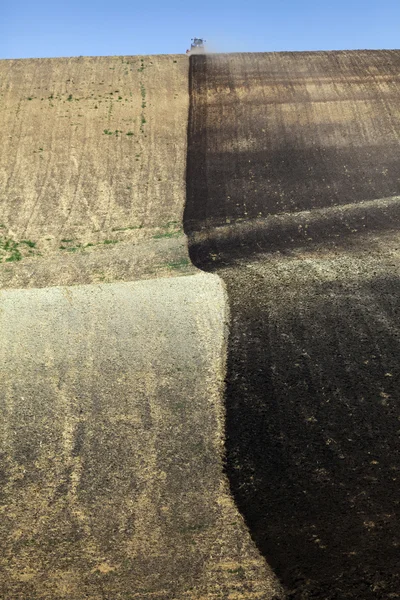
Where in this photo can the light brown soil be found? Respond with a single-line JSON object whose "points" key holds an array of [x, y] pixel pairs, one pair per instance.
{"points": [[111, 416], [92, 155]]}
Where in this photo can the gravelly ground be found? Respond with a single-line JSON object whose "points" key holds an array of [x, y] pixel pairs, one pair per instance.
{"points": [[111, 446]]}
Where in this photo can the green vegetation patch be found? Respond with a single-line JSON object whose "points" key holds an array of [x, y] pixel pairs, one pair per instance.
{"points": [[143, 94], [142, 116], [14, 251], [108, 132]]}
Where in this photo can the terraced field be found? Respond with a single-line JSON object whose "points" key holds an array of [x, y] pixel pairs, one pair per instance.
{"points": [[199, 306]]}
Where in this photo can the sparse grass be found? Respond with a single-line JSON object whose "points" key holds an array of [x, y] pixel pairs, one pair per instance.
{"points": [[15, 256], [116, 132], [130, 228], [76, 247], [173, 230], [11, 250], [142, 116], [170, 223], [69, 98], [179, 264], [143, 94], [110, 242]]}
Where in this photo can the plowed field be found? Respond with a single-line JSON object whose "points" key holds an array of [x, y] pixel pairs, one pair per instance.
{"points": [[293, 199]]}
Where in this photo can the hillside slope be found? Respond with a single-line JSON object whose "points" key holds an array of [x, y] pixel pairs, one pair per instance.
{"points": [[293, 185], [92, 162], [111, 413], [111, 431]]}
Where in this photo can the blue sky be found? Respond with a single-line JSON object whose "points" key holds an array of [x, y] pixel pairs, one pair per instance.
{"points": [[41, 28]]}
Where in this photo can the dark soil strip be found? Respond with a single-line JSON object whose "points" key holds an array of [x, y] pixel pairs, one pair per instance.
{"points": [[313, 374]]}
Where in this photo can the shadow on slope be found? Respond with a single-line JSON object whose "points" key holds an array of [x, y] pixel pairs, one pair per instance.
{"points": [[312, 372], [289, 132], [312, 429], [335, 227]]}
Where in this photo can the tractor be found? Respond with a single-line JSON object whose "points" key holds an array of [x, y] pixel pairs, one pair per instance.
{"points": [[197, 46]]}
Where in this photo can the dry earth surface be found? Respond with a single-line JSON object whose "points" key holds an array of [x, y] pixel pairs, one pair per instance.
{"points": [[293, 184], [111, 412], [92, 162], [112, 421], [112, 439]]}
